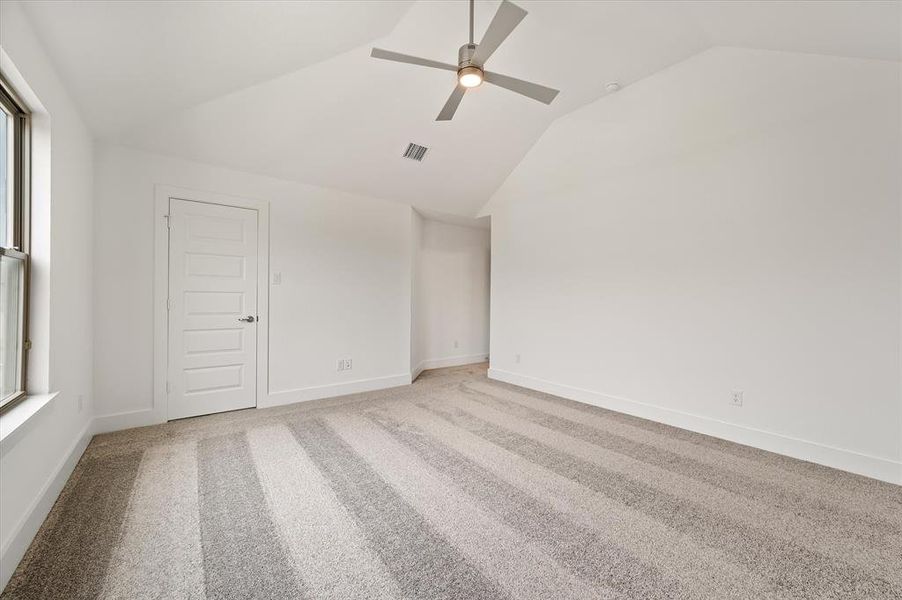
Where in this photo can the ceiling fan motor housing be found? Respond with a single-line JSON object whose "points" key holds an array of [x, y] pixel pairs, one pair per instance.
{"points": [[465, 55], [468, 74]]}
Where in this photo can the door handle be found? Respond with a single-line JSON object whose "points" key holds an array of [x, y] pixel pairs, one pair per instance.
{"points": [[248, 319]]}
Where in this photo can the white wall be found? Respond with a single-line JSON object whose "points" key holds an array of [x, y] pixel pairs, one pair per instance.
{"points": [[36, 461], [451, 295], [345, 291], [731, 223]]}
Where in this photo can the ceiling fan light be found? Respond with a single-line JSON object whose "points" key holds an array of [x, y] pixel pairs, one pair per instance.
{"points": [[470, 76]]}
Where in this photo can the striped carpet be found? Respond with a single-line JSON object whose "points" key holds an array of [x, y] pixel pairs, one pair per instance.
{"points": [[456, 487]]}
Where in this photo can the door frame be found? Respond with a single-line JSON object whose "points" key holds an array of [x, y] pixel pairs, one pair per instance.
{"points": [[162, 195]]}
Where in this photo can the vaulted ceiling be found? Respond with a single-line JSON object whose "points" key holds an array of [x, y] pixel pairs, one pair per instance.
{"points": [[127, 62], [288, 89]]}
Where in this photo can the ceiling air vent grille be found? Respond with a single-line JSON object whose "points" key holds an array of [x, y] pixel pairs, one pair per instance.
{"points": [[415, 152]]}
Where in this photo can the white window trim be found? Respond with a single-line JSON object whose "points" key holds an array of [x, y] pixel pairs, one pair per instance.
{"points": [[18, 419]]}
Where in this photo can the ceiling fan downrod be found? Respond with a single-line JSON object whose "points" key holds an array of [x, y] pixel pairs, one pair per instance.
{"points": [[469, 75], [471, 21]]}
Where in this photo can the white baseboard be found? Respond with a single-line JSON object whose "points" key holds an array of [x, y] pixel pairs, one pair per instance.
{"points": [[27, 527], [838, 458], [144, 417], [451, 361], [454, 361], [335, 389], [126, 420]]}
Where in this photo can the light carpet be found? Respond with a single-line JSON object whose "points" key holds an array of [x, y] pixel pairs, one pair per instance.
{"points": [[456, 487]]}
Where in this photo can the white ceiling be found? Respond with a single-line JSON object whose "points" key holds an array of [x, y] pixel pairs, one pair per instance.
{"points": [[129, 60], [296, 95]]}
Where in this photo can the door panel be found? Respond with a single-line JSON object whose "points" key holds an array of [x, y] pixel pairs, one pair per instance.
{"points": [[212, 285], [214, 265], [213, 341]]}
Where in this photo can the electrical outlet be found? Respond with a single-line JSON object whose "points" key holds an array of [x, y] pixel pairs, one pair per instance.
{"points": [[81, 402], [348, 364], [517, 358], [277, 278], [341, 364], [736, 398]]}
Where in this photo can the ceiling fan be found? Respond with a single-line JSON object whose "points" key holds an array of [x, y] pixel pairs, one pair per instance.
{"points": [[472, 58]]}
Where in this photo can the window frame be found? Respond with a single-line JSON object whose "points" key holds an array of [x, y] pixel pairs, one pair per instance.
{"points": [[20, 206]]}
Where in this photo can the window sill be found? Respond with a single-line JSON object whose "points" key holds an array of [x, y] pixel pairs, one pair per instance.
{"points": [[15, 421]]}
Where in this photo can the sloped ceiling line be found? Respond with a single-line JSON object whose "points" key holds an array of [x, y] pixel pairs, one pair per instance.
{"points": [[184, 78]]}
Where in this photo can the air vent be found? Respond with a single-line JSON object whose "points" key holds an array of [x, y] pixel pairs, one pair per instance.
{"points": [[415, 152]]}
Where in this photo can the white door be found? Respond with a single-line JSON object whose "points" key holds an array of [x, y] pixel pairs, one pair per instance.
{"points": [[212, 308]]}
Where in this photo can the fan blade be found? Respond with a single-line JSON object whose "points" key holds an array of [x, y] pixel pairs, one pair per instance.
{"points": [[413, 60], [503, 23], [527, 88], [451, 105]]}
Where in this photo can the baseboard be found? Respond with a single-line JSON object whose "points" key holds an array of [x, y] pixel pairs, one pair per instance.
{"points": [[838, 458], [335, 389], [142, 418], [126, 420], [452, 361], [27, 527]]}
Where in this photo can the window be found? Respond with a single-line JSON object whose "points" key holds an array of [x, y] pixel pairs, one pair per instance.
{"points": [[14, 179]]}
